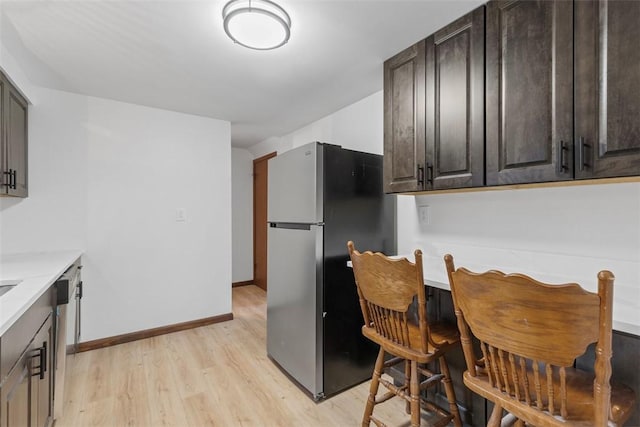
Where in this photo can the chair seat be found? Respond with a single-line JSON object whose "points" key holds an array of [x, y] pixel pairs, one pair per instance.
{"points": [[440, 332], [579, 398]]}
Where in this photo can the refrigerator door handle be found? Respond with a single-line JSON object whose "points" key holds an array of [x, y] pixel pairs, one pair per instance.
{"points": [[295, 225]]}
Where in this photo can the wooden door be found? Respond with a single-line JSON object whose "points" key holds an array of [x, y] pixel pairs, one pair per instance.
{"points": [[260, 192], [404, 109], [607, 61], [455, 104], [529, 93]]}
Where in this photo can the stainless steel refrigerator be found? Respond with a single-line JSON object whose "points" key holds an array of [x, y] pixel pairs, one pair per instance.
{"points": [[319, 197]]}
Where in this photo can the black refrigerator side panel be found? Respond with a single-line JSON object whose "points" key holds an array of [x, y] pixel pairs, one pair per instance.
{"points": [[355, 208]]}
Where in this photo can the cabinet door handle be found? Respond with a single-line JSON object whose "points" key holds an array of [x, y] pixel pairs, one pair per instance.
{"points": [[14, 184], [562, 148], [429, 173], [42, 355], [8, 176], [420, 175], [582, 155]]}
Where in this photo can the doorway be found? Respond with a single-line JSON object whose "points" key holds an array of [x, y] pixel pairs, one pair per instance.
{"points": [[260, 189]]}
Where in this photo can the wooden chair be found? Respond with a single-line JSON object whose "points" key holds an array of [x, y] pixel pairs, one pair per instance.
{"points": [[530, 333], [386, 289]]}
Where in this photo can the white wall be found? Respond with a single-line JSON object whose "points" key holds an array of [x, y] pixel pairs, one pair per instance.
{"points": [[54, 216], [242, 218], [558, 235], [555, 234], [358, 126], [107, 177], [142, 264]]}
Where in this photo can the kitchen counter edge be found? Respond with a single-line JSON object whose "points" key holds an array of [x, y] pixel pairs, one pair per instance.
{"points": [[38, 271], [620, 326]]}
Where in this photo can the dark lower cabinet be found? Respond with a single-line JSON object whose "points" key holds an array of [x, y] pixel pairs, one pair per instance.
{"points": [[15, 396], [26, 374], [404, 93], [624, 366], [455, 104], [529, 94], [473, 408], [607, 88]]}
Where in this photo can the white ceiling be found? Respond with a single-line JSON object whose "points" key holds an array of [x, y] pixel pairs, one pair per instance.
{"points": [[175, 55]]}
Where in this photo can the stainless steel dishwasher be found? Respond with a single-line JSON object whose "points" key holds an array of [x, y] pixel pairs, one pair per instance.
{"points": [[66, 329]]}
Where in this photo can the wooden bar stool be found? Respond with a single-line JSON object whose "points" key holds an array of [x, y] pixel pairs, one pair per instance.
{"points": [[530, 333], [387, 288]]}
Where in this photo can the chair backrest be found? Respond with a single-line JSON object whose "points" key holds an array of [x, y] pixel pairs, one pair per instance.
{"points": [[386, 288], [525, 326]]}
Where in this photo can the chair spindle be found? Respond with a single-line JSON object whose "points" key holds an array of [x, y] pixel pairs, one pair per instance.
{"points": [[549, 369]]}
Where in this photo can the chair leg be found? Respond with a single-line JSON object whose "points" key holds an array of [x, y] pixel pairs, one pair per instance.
{"points": [[407, 376], [495, 420], [373, 389], [450, 392], [415, 395]]}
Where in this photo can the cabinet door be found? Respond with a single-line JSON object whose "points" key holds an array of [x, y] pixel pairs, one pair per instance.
{"points": [[15, 112], [529, 107], [607, 83], [404, 94], [5, 179], [455, 104], [41, 380], [14, 396]]}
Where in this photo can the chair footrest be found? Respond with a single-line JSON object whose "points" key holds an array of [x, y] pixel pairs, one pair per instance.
{"points": [[431, 381], [388, 395], [395, 390], [425, 404], [392, 362], [377, 422]]}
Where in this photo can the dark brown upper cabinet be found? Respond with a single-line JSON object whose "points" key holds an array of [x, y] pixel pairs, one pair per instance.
{"points": [[607, 88], [13, 140], [529, 92], [404, 139], [517, 92], [455, 104]]}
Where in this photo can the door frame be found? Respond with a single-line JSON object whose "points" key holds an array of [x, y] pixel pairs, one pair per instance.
{"points": [[264, 158]]}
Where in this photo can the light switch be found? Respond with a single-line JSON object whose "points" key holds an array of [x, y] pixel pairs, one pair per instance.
{"points": [[181, 215]]}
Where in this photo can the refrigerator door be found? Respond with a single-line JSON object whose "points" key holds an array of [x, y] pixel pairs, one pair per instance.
{"points": [[294, 302], [295, 185]]}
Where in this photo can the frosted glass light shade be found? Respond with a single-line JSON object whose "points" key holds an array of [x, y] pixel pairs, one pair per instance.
{"points": [[256, 24]]}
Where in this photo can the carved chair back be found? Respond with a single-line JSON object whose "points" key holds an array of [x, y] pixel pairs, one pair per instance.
{"points": [[529, 334]]}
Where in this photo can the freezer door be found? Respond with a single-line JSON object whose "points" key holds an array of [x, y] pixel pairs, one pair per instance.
{"points": [[294, 302], [295, 185]]}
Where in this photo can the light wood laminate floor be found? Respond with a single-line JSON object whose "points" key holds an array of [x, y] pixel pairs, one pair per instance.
{"points": [[216, 375]]}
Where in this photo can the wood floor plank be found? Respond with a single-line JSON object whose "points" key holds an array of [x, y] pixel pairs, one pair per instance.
{"points": [[165, 409], [214, 375]]}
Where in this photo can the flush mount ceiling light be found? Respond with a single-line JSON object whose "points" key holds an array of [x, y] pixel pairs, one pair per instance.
{"points": [[256, 24]]}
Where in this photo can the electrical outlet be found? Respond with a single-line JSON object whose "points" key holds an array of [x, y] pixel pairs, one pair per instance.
{"points": [[424, 214]]}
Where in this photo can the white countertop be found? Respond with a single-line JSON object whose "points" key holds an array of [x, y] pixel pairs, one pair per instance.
{"points": [[37, 272], [435, 276]]}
